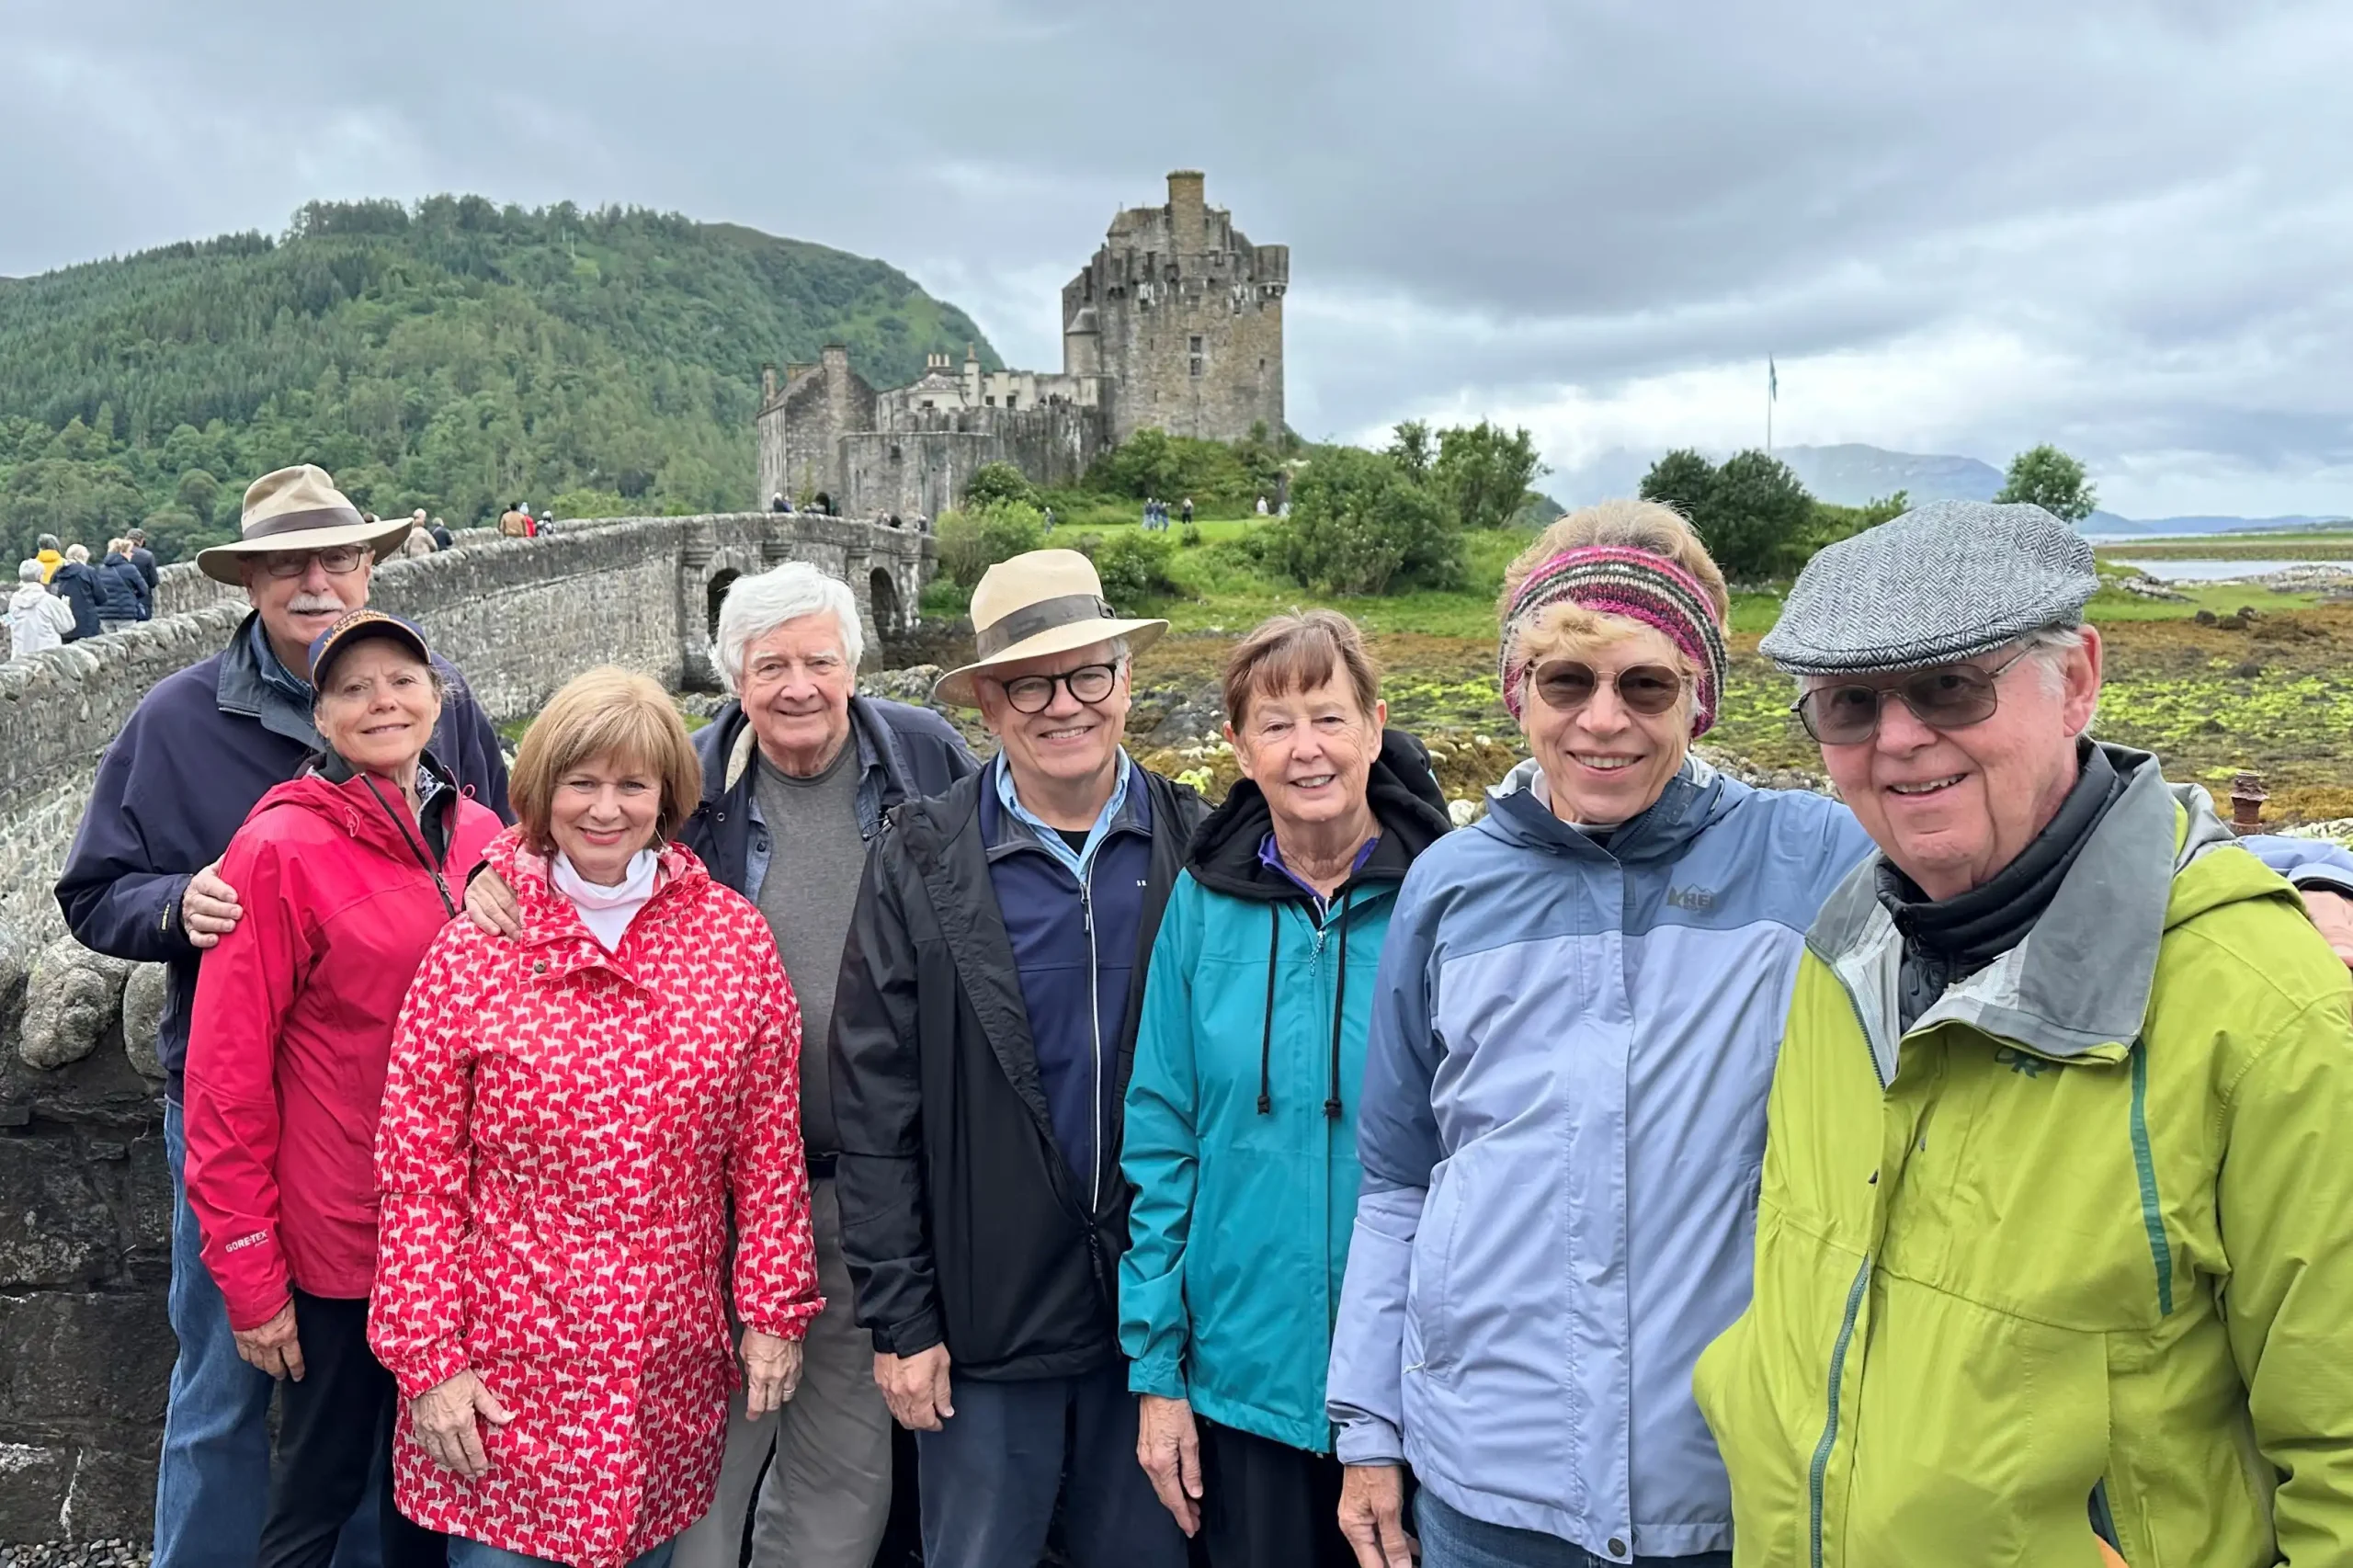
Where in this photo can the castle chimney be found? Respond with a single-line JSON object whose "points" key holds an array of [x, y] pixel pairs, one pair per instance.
{"points": [[834, 357], [767, 384], [1187, 214]]}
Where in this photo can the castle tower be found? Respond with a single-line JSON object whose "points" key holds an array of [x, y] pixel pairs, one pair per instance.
{"points": [[1185, 316]]}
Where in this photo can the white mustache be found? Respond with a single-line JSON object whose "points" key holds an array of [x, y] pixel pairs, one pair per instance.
{"points": [[314, 603]]}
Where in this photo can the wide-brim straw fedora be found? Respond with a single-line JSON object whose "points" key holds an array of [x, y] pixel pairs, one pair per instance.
{"points": [[298, 508], [1049, 601]]}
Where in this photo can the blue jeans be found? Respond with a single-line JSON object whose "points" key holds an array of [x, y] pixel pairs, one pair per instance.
{"points": [[1451, 1539], [213, 1478], [466, 1554], [989, 1478]]}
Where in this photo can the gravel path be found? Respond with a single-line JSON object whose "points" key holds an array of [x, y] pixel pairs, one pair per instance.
{"points": [[89, 1554]]}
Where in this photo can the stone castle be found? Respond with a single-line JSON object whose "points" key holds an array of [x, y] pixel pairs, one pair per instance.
{"points": [[1175, 325]]}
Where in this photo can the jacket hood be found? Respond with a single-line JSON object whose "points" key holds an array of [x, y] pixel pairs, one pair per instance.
{"points": [[1405, 800], [331, 791], [27, 594], [1694, 800], [2078, 985]]}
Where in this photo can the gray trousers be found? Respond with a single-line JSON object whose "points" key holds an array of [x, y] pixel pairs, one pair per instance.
{"points": [[826, 1497]]}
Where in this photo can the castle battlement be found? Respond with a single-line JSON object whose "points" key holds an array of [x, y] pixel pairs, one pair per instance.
{"points": [[1175, 324]]}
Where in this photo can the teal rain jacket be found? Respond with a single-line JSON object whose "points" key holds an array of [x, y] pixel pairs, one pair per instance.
{"points": [[1241, 1138]]}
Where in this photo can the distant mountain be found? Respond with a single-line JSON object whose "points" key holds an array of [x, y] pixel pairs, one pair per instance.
{"points": [[1850, 474], [455, 355]]}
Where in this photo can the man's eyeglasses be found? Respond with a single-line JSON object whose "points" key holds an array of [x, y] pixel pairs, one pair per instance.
{"points": [[1567, 685], [1948, 697], [1035, 694], [337, 561]]}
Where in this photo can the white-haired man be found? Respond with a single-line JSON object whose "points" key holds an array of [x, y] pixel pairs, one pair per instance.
{"points": [[797, 773]]}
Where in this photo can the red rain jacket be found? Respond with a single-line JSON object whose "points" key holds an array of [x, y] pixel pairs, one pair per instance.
{"points": [[293, 1029]]}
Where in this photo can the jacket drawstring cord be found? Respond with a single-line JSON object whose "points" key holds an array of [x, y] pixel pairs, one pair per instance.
{"points": [[1267, 1035], [415, 847], [1339, 1008]]}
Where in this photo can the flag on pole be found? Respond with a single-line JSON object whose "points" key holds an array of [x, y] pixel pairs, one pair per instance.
{"points": [[1772, 380]]}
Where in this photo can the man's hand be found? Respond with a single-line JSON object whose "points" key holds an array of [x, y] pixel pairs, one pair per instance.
{"points": [[1169, 1449], [916, 1387], [1373, 1516], [209, 907], [273, 1346], [771, 1371], [490, 904], [447, 1418], [2332, 917]]}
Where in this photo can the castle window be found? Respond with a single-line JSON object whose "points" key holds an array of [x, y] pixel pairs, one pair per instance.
{"points": [[1193, 346], [928, 404], [1010, 398], [991, 402]]}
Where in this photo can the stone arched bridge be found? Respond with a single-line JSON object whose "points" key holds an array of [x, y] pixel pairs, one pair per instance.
{"points": [[85, 1199]]}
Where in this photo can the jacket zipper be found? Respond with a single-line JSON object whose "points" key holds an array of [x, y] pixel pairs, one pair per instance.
{"points": [[1821, 1466], [1095, 1033], [2144, 1167]]}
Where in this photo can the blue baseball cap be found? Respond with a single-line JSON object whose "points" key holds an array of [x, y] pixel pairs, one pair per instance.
{"points": [[358, 627]]}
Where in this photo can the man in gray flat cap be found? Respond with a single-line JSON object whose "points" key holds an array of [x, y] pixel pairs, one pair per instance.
{"points": [[2065, 1072]]}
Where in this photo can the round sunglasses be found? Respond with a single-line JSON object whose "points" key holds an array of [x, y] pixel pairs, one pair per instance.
{"points": [[1947, 696], [1567, 685]]}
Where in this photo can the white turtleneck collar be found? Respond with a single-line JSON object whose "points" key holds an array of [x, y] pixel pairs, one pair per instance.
{"points": [[607, 912]]}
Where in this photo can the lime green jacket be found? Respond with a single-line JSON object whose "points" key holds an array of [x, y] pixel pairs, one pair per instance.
{"points": [[2074, 1253]]}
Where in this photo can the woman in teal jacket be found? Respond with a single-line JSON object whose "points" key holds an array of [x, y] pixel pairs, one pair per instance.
{"points": [[1241, 1113]]}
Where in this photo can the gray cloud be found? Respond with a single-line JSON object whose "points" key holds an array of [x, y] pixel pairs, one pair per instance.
{"points": [[1962, 224]]}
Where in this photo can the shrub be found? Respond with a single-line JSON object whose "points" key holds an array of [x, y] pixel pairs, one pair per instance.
{"points": [[1753, 515], [1359, 525], [972, 542], [1133, 566], [997, 483], [1153, 462]]}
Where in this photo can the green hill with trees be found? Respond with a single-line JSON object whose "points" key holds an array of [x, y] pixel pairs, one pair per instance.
{"points": [[454, 354]]}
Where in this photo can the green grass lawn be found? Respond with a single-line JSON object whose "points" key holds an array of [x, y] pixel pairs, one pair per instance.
{"points": [[2333, 545]]}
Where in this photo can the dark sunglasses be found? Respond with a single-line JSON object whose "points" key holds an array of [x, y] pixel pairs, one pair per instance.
{"points": [[1567, 685], [1035, 694], [1948, 697]]}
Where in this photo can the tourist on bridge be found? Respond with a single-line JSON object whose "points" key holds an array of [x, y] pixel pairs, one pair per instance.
{"points": [[125, 602], [50, 555], [84, 590], [798, 772], [37, 619], [420, 541], [142, 883], [516, 521], [1241, 1117], [440, 531], [346, 876], [2056, 1237], [1575, 1162], [569, 1120], [144, 559], [986, 1015]]}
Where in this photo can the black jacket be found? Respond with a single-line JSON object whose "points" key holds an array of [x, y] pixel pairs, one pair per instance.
{"points": [[961, 1218], [123, 590], [78, 584], [903, 751]]}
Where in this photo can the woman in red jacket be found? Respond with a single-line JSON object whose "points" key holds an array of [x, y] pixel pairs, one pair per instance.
{"points": [[568, 1116], [347, 874]]}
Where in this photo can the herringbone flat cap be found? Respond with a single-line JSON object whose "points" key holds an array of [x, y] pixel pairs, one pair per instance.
{"points": [[1939, 583]]}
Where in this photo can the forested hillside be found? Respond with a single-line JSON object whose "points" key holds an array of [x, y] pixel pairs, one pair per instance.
{"points": [[456, 356]]}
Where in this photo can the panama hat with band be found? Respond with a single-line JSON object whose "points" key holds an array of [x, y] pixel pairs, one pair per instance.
{"points": [[360, 626], [1049, 601], [298, 508]]}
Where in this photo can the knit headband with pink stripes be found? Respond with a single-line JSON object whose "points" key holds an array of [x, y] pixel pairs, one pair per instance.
{"points": [[1636, 586]]}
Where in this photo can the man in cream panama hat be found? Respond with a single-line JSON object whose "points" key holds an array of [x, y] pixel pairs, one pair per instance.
{"points": [[142, 883], [982, 1028]]}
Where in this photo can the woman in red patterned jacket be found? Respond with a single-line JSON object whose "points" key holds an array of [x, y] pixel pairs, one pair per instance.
{"points": [[566, 1122]]}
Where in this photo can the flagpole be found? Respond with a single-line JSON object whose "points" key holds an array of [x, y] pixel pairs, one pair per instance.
{"points": [[1772, 394]]}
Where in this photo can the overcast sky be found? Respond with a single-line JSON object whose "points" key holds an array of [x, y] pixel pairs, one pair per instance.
{"points": [[1959, 226]]}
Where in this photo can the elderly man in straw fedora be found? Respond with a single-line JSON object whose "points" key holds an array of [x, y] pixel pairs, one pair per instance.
{"points": [[983, 1029], [142, 882]]}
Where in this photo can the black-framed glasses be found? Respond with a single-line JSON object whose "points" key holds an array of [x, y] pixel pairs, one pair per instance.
{"points": [[1945, 697], [336, 560], [1567, 685], [1035, 694]]}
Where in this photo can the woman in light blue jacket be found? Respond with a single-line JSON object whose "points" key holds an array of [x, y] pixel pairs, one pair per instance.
{"points": [[1240, 1132], [1562, 1116]]}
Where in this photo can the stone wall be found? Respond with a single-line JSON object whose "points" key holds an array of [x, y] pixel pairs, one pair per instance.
{"points": [[84, 1198], [921, 467]]}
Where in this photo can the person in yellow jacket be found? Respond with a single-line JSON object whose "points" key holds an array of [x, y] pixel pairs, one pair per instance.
{"points": [[2054, 1245], [49, 556]]}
